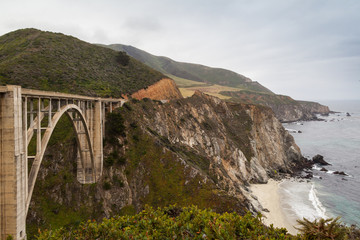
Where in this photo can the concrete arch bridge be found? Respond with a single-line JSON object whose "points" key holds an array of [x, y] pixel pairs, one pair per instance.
{"points": [[27, 114]]}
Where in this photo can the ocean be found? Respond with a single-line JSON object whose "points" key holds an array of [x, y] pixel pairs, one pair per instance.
{"points": [[337, 138]]}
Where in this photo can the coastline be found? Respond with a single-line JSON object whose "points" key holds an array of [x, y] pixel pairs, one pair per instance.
{"points": [[269, 197]]}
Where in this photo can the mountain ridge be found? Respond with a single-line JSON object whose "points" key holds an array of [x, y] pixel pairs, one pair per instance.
{"points": [[190, 71], [226, 84]]}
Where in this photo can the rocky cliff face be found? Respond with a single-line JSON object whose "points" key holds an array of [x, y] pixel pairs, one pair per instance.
{"points": [[165, 89], [315, 107], [247, 142], [300, 110], [291, 112], [198, 150]]}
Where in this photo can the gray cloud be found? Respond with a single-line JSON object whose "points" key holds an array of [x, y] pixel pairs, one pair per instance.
{"points": [[305, 49]]}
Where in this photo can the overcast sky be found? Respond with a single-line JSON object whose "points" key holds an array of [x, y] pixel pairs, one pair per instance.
{"points": [[308, 49]]}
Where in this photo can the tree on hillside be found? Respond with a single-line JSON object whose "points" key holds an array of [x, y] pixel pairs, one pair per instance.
{"points": [[122, 58]]}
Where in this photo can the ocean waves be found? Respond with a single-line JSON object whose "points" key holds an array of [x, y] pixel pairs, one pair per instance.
{"points": [[320, 209], [300, 200]]}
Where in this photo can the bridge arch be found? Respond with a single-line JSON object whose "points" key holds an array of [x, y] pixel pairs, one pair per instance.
{"points": [[84, 145], [22, 112]]}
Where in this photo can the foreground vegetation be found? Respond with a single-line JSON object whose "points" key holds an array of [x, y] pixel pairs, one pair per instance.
{"points": [[193, 223], [172, 223]]}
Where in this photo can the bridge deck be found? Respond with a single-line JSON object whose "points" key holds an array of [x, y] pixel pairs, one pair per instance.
{"points": [[50, 94]]}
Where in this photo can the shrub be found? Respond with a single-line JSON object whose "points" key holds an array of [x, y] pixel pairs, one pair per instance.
{"points": [[121, 160], [106, 186], [135, 138], [322, 229], [117, 180], [115, 124], [109, 161], [133, 125], [134, 100], [114, 157], [127, 106], [122, 58]]}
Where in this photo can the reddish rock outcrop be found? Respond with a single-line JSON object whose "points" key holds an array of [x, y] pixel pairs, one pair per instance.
{"points": [[165, 89]]}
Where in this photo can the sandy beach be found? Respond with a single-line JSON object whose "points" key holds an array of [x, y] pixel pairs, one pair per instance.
{"points": [[269, 197]]}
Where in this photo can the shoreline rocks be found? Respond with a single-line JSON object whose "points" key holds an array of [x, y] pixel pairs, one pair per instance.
{"points": [[304, 169], [320, 160]]}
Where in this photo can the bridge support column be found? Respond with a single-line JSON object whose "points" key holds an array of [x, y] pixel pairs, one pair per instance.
{"points": [[12, 165], [97, 135]]}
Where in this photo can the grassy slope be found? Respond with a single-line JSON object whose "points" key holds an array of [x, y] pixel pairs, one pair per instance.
{"points": [[258, 98], [53, 61], [189, 71]]}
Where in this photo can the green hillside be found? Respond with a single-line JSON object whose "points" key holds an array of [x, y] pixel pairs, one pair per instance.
{"points": [[54, 61], [194, 72]]}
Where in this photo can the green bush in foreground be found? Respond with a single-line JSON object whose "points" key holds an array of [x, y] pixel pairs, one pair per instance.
{"points": [[194, 223], [327, 229], [172, 223]]}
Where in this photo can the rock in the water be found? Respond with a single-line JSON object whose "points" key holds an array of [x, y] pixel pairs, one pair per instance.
{"points": [[323, 169], [320, 160], [309, 176], [348, 114], [340, 173]]}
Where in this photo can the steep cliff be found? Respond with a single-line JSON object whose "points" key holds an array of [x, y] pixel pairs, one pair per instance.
{"points": [[245, 141], [198, 150], [165, 89]]}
